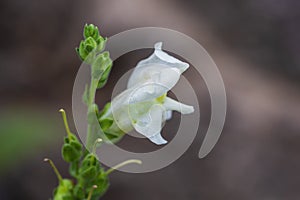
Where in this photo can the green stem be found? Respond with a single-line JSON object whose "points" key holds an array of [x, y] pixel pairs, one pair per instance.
{"points": [[99, 140], [90, 138], [54, 169], [123, 164], [64, 116], [91, 192]]}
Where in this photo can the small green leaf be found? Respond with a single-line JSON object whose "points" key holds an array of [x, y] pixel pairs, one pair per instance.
{"points": [[114, 137], [73, 168], [83, 53], [104, 77], [106, 123], [101, 44], [105, 109], [90, 44]]}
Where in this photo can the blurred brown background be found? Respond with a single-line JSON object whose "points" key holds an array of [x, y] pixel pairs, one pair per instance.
{"points": [[255, 44]]}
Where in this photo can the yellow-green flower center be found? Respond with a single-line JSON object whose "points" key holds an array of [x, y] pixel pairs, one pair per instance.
{"points": [[161, 99]]}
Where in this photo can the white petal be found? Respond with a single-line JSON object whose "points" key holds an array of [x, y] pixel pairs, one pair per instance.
{"points": [[171, 104], [118, 103], [158, 84], [158, 58], [182, 66], [150, 123], [168, 114], [158, 139]]}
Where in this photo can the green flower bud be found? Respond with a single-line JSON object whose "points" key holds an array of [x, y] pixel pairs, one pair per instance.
{"points": [[102, 183], [101, 43], [79, 192], [91, 31], [90, 44], [63, 190], [89, 168], [86, 49], [101, 65], [72, 149]]}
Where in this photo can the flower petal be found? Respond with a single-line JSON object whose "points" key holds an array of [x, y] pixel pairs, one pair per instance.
{"points": [[171, 104], [182, 66], [150, 123], [168, 114], [158, 139], [159, 82], [159, 60]]}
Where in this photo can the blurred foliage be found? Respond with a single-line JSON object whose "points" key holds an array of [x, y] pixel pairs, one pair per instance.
{"points": [[24, 132]]}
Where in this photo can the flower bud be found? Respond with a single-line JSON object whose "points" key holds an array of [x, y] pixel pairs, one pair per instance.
{"points": [[72, 149], [79, 192], [102, 183], [89, 168], [63, 190], [85, 49], [91, 31], [101, 65]]}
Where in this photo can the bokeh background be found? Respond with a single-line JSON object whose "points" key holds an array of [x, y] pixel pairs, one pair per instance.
{"points": [[256, 45]]}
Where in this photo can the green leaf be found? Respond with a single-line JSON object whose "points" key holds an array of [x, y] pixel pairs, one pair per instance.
{"points": [[105, 109], [106, 123], [115, 136], [73, 168], [101, 44], [90, 44], [104, 77], [82, 52]]}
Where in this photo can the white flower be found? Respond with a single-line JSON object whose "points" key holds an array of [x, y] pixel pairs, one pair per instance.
{"points": [[144, 105]]}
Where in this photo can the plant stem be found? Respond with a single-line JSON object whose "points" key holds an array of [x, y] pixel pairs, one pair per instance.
{"points": [[123, 164], [64, 116], [91, 127], [91, 192], [54, 169]]}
